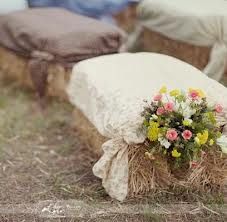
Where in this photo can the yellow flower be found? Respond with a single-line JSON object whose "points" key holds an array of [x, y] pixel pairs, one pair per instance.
{"points": [[197, 141], [203, 137], [199, 91], [153, 131], [211, 142], [163, 90], [176, 154], [175, 93], [187, 122]]}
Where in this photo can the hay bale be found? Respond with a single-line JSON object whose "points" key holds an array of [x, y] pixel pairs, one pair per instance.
{"points": [[104, 90], [211, 174], [126, 19], [155, 42], [148, 175], [186, 33], [53, 48], [15, 67], [197, 56], [88, 132], [145, 175]]}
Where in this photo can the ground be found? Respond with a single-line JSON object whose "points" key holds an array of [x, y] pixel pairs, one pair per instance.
{"points": [[43, 160]]}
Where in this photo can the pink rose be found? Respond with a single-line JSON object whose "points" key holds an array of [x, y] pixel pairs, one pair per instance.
{"points": [[194, 94], [193, 164], [187, 134], [160, 111], [171, 134], [158, 97], [169, 106], [218, 108]]}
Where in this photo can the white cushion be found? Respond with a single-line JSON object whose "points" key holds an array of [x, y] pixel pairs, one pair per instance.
{"points": [[193, 7], [110, 89], [197, 22], [7, 6]]}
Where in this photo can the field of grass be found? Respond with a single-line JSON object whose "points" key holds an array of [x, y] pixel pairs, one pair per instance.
{"points": [[43, 160]]}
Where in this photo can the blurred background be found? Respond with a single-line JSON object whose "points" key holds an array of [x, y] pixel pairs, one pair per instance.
{"points": [[118, 12]]}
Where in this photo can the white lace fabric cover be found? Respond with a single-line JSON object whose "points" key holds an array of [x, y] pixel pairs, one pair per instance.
{"points": [[197, 22], [110, 91]]}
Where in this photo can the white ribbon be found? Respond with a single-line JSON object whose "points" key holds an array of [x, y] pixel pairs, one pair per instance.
{"points": [[112, 168]]}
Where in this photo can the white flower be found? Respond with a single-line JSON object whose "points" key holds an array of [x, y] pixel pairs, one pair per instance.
{"points": [[164, 142], [166, 99], [178, 106], [185, 109], [188, 112], [155, 117], [198, 101], [222, 142]]}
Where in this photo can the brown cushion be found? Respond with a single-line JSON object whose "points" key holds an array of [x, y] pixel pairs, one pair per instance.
{"points": [[65, 35]]}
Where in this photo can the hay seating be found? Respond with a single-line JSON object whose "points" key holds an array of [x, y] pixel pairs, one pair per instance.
{"points": [[108, 93], [39, 46], [193, 31], [14, 68]]}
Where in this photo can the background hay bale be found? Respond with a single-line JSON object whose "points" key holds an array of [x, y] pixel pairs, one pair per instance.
{"points": [[197, 56], [126, 19], [15, 68], [155, 42]]}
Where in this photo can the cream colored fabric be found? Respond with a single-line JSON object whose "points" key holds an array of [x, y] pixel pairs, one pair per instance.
{"points": [[198, 22], [113, 168], [7, 6], [110, 91]]}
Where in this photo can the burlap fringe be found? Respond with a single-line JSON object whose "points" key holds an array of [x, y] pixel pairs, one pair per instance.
{"points": [[15, 68], [148, 176]]}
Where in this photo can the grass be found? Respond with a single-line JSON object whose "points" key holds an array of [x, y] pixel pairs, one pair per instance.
{"points": [[42, 158]]}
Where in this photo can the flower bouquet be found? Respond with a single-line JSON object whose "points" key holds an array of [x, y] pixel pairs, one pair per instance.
{"points": [[182, 128]]}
